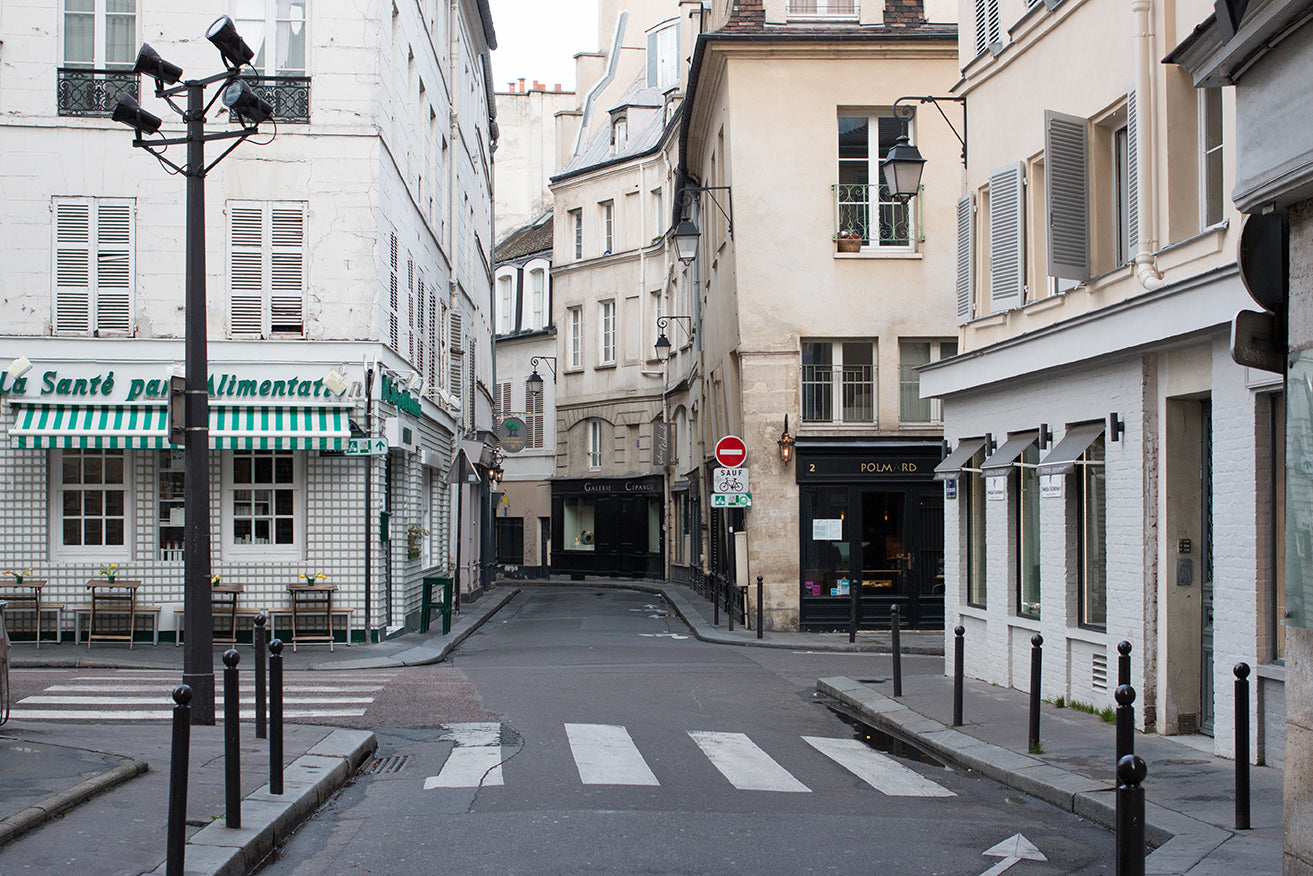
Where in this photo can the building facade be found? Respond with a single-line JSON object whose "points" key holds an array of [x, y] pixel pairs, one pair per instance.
{"points": [[349, 288], [1113, 471]]}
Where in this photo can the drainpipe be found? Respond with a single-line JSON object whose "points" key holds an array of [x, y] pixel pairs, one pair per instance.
{"points": [[1146, 268]]}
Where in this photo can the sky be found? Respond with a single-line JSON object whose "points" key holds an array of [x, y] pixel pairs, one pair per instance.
{"points": [[538, 39]]}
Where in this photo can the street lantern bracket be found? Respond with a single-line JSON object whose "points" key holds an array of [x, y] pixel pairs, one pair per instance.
{"points": [[688, 194], [905, 112]]}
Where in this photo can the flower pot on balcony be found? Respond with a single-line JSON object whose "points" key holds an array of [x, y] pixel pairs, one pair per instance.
{"points": [[849, 241]]}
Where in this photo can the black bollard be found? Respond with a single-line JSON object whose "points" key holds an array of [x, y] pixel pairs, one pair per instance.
{"points": [[760, 609], [176, 838], [1123, 663], [715, 600], [258, 634], [1036, 676], [730, 590], [232, 728], [959, 659], [1125, 696], [276, 717], [1242, 746], [1130, 816], [896, 642]]}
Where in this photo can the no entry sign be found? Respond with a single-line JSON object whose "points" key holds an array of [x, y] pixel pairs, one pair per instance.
{"points": [[731, 452]]}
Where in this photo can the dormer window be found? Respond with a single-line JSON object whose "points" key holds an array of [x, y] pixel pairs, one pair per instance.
{"points": [[619, 133]]}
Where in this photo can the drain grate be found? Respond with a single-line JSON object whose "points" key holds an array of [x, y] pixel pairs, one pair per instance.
{"points": [[391, 764]]}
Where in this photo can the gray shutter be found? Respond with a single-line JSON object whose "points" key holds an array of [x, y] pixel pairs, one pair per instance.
{"points": [[966, 257], [982, 26], [1006, 237], [1066, 151], [1132, 180]]}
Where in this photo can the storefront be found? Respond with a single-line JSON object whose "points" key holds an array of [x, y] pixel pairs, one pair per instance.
{"points": [[871, 527], [607, 526]]}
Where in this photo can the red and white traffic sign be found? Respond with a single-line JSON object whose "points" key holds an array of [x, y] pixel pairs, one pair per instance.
{"points": [[731, 452]]}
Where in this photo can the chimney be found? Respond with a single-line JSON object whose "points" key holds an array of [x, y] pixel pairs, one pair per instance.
{"points": [[538, 86], [556, 87], [521, 85]]}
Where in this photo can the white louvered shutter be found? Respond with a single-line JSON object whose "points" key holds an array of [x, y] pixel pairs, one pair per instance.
{"points": [[966, 257], [1066, 162], [72, 266], [394, 295], [456, 343], [114, 269], [246, 283], [534, 420], [287, 259], [435, 346], [421, 339], [410, 310], [1006, 237], [1132, 180]]}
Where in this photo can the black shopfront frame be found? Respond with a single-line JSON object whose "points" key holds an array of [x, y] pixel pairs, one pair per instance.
{"points": [[608, 527], [871, 520]]}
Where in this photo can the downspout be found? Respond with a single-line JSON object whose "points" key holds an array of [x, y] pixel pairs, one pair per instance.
{"points": [[1146, 244]]}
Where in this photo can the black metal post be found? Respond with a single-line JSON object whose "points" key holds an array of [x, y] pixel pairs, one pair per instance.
{"points": [[176, 838], [276, 717], [1123, 664], [959, 660], [1131, 771], [1125, 696], [715, 599], [369, 510], [1036, 676], [232, 728], [730, 591], [895, 637], [760, 609], [1242, 746], [198, 618], [854, 595], [258, 634]]}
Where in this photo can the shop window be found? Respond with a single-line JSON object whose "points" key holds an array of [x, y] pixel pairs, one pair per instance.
{"points": [[1276, 601], [1027, 534], [972, 482], [1091, 502], [263, 497], [94, 265], [93, 502], [172, 505], [578, 522], [510, 541], [838, 381], [911, 355]]}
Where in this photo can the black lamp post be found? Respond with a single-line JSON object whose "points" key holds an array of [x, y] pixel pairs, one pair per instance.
{"points": [[902, 165], [533, 384], [198, 656]]}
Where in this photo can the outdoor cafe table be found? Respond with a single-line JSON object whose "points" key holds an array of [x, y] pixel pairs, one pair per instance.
{"points": [[118, 596], [22, 601]]}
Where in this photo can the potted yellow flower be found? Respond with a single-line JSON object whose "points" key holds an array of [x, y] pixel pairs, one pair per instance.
{"points": [[109, 571], [19, 575]]}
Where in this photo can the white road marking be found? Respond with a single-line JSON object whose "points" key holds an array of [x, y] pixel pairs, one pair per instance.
{"points": [[884, 774], [162, 714], [244, 688], [167, 700], [747, 767], [476, 759], [606, 755]]}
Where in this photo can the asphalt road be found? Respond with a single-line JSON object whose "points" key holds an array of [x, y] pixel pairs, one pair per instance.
{"points": [[584, 731]]}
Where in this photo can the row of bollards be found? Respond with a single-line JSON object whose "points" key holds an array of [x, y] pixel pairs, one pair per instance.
{"points": [[175, 839]]}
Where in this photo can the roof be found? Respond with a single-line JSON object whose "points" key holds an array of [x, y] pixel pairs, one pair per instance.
{"points": [[641, 140], [527, 240]]}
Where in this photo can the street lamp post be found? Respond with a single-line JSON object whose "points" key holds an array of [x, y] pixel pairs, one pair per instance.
{"points": [[198, 654]]}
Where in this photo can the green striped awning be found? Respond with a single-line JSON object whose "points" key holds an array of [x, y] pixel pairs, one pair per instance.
{"points": [[247, 427]]}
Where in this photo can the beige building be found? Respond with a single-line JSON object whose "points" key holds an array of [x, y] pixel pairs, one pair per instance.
{"points": [[800, 335], [1112, 469]]}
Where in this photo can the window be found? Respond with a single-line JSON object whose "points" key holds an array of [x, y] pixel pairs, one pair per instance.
{"points": [[838, 382], [538, 287], [100, 34], [911, 355], [510, 541], [92, 501], [988, 35], [577, 224], [263, 501], [275, 31], [578, 518], [864, 208], [1212, 195], [594, 444], [607, 329], [1027, 523], [267, 257], [505, 304], [659, 218], [576, 317], [94, 269], [608, 227], [1091, 502], [663, 56], [973, 500], [619, 133], [823, 8], [1276, 597]]}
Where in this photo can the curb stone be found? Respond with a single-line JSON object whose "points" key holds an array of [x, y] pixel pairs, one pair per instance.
{"points": [[56, 804]]}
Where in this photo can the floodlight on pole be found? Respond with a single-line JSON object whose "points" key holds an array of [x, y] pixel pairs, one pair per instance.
{"points": [[128, 112], [223, 33], [149, 63]]}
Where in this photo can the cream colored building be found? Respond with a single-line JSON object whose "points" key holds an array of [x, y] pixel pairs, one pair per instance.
{"points": [[1112, 469], [795, 332]]}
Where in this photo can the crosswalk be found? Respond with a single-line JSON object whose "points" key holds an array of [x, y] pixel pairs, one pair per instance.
{"points": [[143, 695], [605, 754]]}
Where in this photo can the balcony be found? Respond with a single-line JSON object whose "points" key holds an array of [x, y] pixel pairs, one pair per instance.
{"points": [[82, 91], [854, 386], [824, 10], [288, 95], [882, 223]]}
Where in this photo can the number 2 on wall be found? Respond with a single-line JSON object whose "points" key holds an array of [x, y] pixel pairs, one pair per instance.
{"points": [[811, 466]]}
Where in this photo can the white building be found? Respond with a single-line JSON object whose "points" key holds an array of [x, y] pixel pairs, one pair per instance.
{"points": [[352, 233]]}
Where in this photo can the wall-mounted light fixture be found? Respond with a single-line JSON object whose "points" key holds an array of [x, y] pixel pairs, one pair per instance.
{"points": [[533, 384], [786, 442], [686, 233], [335, 382], [1045, 436], [1116, 427], [990, 445], [663, 344], [19, 367], [902, 165]]}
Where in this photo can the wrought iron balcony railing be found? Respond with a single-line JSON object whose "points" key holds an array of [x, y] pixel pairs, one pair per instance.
{"points": [[827, 9], [882, 222], [288, 95], [82, 91]]}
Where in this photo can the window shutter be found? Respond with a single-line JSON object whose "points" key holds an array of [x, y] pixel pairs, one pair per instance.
{"points": [[72, 266], [394, 294], [534, 420], [287, 268], [114, 268], [1006, 237], [435, 348], [1066, 149], [456, 379], [503, 400], [966, 257], [1132, 180], [653, 52], [410, 310], [246, 282], [420, 337]]}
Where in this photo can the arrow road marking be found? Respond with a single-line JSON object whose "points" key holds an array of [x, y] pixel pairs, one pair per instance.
{"points": [[1012, 850]]}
